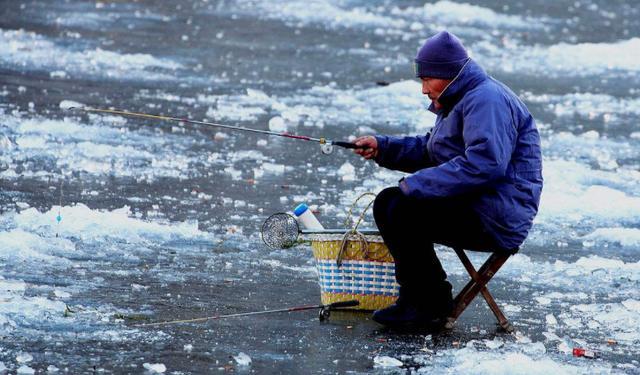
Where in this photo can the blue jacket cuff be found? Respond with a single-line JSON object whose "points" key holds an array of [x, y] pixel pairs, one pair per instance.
{"points": [[383, 144]]}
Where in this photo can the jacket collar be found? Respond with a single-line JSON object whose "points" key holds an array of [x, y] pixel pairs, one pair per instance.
{"points": [[469, 77]]}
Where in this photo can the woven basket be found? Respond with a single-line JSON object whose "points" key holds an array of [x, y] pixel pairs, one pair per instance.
{"points": [[356, 266]]}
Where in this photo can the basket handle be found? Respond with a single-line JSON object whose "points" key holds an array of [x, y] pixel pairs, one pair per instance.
{"points": [[349, 220], [354, 230]]}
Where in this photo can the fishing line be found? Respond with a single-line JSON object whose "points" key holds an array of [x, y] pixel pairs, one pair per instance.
{"points": [[324, 313], [326, 144]]}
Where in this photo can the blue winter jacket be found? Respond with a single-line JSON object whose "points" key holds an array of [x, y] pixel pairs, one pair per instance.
{"points": [[484, 143]]}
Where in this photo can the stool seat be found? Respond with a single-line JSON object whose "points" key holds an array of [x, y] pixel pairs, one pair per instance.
{"points": [[478, 285]]}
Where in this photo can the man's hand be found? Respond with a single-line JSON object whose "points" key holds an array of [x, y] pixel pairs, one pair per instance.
{"points": [[370, 149]]}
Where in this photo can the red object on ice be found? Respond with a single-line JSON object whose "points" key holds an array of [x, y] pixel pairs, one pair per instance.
{"points": [[581, 352]]}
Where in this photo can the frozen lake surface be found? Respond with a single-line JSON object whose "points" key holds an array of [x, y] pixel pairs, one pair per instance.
{"points": [[161, 222]]}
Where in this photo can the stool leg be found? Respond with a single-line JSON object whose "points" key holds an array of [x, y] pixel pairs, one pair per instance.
{"points": [[478, 282]]}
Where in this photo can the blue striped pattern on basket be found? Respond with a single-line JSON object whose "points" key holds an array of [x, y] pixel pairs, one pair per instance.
{"points": [[357, 277]]}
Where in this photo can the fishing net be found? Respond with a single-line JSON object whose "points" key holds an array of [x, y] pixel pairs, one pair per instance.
{"points": [[280, 231]]}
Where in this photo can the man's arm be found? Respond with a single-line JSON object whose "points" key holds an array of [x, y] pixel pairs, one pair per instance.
{"points": [[489, 136]]}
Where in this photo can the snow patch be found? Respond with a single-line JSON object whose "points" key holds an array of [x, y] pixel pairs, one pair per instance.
{"points": [[79, 221]]}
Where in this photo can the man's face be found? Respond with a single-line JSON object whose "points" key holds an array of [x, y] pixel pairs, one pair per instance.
{"points": [[433, 87]]}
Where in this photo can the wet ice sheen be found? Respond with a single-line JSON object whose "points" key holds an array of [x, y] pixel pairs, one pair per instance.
{"points": [[29, 240], [398, 104]]}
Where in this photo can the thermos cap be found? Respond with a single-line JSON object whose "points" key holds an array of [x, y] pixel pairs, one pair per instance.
{"points": [[302, 207]]}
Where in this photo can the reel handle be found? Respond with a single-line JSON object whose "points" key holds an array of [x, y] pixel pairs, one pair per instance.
{"points": [[347, 145]]}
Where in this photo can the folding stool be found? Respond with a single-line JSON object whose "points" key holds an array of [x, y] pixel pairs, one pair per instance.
{"points": [[478, 284]]}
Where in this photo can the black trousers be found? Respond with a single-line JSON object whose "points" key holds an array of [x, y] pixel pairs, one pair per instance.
{"points": [[410, 227]]}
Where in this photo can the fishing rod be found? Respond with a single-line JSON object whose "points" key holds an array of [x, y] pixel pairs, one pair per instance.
{"points": [[325, 311], [326, 144]]}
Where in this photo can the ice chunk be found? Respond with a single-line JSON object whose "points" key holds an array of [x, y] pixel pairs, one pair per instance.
{"points": [[26, 370], [258, 95], [22, 205], [138, 287], [631, 304], [564, 347], [50, 369], [242, 359], [24, 357], [551, 320], [273, 168], [61, 294], [536, 348], [235, 174], [67, 105], [543, 300], [347, 171], [156, 368], [277, 124], [220, 136], [494, 344], [58, 74], [188, 348], [626, 237], [385, 361]]}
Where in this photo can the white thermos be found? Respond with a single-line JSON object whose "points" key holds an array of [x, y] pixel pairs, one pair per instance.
{"points": [[307, 218]]}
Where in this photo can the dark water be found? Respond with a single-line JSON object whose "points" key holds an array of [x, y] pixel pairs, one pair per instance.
{"points": [[186, 244]]}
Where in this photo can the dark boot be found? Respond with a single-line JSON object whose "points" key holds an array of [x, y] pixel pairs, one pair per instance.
{"points": [[405, 316], [411, 311]]}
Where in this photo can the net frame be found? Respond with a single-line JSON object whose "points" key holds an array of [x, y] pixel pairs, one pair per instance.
{"points": [[280, 231]]}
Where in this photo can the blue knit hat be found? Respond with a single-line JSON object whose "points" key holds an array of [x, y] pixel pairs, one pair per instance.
{"points": [[441, 56]]}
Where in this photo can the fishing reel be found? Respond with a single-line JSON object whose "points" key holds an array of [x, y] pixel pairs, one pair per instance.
{"points": [[326, 148], [325, 310], [324, 314]]}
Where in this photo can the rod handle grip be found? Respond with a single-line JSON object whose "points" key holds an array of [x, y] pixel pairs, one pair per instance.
{"points": [[346, 144], [337, 305]]}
